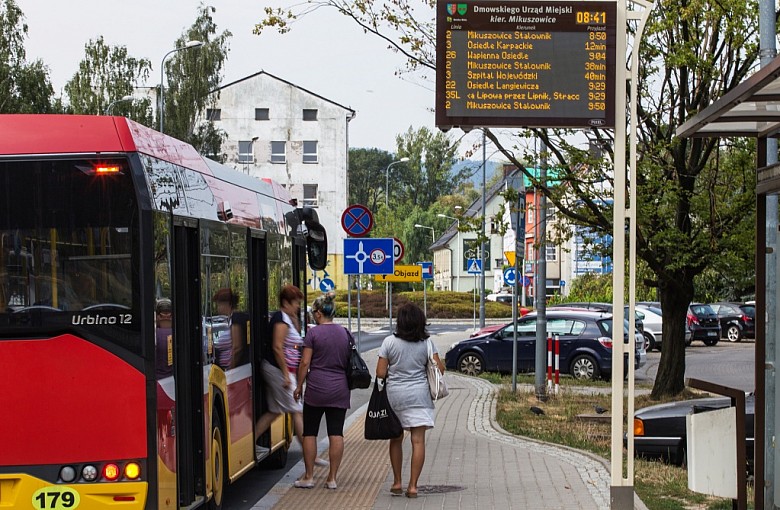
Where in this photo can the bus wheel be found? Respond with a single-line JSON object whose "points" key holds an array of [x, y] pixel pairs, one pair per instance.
{"points": [[217, 464]]}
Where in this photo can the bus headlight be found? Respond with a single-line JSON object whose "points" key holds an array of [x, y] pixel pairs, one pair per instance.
{"points": [[67, 474], [89, 473]]}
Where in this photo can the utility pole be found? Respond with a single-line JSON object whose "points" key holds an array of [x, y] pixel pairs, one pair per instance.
{"points": [[540, 283], [768, 51]]}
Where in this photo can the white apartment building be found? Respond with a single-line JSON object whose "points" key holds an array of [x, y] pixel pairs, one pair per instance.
{"points": [[296, 137]]}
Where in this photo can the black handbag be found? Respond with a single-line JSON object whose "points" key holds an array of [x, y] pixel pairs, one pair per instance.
{"points": [[381, 421], [358, 376]]}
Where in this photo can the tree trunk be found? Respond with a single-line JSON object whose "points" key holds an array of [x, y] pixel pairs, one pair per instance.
{"points": [[676, 295]]}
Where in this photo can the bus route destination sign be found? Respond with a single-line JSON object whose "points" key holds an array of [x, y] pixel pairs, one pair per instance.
{"points": [[525, 64]]}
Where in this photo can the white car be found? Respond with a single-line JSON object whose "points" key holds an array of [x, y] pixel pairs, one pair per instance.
{"points": [[653, 322]]}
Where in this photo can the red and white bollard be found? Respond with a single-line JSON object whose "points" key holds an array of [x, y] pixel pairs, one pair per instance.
{"points": [[553, 363]]}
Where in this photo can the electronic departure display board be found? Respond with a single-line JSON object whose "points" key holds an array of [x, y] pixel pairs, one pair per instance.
{"points": [[525, 64]]}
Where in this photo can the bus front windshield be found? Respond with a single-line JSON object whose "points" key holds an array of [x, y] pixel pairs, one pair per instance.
{"points": [[67, 231]]}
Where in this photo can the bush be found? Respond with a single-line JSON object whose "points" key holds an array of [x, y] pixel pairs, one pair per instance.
{"points": [[440, 305]]}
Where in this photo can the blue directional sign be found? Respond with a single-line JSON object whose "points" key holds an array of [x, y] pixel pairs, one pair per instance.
{"points": [[526, 281], [326, 285], [474, 266], [368, 256], [510, 276], [427, 270]]}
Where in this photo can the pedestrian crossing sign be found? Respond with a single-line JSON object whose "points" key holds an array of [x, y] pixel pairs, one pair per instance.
{"points": [[474, 266]]}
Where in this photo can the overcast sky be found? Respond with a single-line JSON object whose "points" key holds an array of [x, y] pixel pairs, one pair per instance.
{"points": [[325, 53]]}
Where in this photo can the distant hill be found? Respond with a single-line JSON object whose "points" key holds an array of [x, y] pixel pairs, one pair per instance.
{"points": [[475, 168]]}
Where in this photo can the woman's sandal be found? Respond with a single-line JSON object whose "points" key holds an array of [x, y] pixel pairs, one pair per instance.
{"points": [[396, 492], [411, 495]]}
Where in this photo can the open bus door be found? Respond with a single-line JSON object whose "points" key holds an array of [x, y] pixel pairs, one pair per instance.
{"points": [[190, 418]]}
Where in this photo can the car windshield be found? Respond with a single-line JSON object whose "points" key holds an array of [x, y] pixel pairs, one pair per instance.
{"points": [[655, 310], [749, 310], [702, 310]]}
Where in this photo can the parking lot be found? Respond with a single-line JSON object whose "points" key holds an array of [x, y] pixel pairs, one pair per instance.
{"points": [[726, 363]]}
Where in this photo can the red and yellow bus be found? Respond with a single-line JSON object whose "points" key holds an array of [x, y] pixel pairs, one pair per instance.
{"points": [[124, 382]]}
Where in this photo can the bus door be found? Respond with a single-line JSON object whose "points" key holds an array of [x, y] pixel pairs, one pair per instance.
{"points": [[258, 299], [188, 366]]}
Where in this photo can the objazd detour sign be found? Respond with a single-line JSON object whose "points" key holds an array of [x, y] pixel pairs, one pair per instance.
{"points": [[402, 274]]}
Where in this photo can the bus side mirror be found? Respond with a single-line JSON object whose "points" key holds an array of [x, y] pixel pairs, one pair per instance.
{"points": [[317, 246]]}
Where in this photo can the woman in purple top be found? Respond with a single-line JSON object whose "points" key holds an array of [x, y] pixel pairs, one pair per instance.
{"points": [[324, 368]]}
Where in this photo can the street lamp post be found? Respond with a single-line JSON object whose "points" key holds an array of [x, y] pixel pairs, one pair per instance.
{"points": [[433, 232], [389, 286], [458, 248], [433, 240], [115, 101], [387, 181], [189, 44]]}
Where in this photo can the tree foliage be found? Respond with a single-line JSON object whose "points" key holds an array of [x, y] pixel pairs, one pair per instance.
{"points": [[107, 74], [25, 87], [428, 173], [688, 207], [367, 169], [191, 76]]}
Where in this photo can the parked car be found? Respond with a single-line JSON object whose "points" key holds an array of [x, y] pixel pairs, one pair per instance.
{"points": [[585, 346], [660, 432], [653, 326], [704, 324], [650, 323], [490, 328], [604, 307], [736, 320], [507, 300]]}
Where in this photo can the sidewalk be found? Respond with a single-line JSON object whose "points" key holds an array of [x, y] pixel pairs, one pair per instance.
{"points": [[470, 463]]}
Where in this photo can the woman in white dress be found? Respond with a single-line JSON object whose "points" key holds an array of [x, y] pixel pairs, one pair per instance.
{"points": [[402, 360]]}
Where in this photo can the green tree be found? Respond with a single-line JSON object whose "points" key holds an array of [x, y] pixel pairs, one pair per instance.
{"points": [[25, 87], [428, 173], [191, 75], [106, 74], [692, 53], [367, 176]]}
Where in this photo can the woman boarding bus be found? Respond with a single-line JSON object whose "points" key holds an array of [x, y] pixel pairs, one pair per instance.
{"points": [[118, 387]]}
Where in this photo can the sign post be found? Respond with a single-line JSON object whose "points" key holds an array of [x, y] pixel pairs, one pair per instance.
{"points": [[357, 221]]}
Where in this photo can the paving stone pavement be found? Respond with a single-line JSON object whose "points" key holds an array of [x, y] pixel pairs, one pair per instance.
{"points": [[471, 463]]}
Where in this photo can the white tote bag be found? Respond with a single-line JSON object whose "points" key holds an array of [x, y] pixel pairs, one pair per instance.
{"points": [[436, 382]]}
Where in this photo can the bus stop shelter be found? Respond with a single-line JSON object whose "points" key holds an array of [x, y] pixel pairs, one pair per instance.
{"points": [[752, 109]]}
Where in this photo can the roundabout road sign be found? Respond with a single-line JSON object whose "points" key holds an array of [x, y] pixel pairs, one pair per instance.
{"points": [[510, 276], [357, 220]]}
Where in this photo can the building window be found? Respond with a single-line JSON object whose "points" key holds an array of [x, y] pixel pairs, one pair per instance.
{"points": [[213, 114], [309, 195], [245, 152], [278, 152], [551, 253], [310, 152], [309, 114], [261, 114]]}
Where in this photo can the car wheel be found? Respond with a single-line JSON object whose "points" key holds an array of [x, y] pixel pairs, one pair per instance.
{"points": [[218, 466], [650, 340], [689, 342], [471, 363], [710, 342], [733, 333], [584, 367]]}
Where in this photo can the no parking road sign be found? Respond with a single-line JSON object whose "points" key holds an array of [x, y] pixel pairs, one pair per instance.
{"points": [[368, 256], [357, 220]]}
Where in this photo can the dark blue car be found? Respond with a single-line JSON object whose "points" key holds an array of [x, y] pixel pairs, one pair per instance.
{"points": [[585, 346]]}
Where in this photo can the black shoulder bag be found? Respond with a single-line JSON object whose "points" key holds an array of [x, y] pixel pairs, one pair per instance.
{"points": [[358, 375]]}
